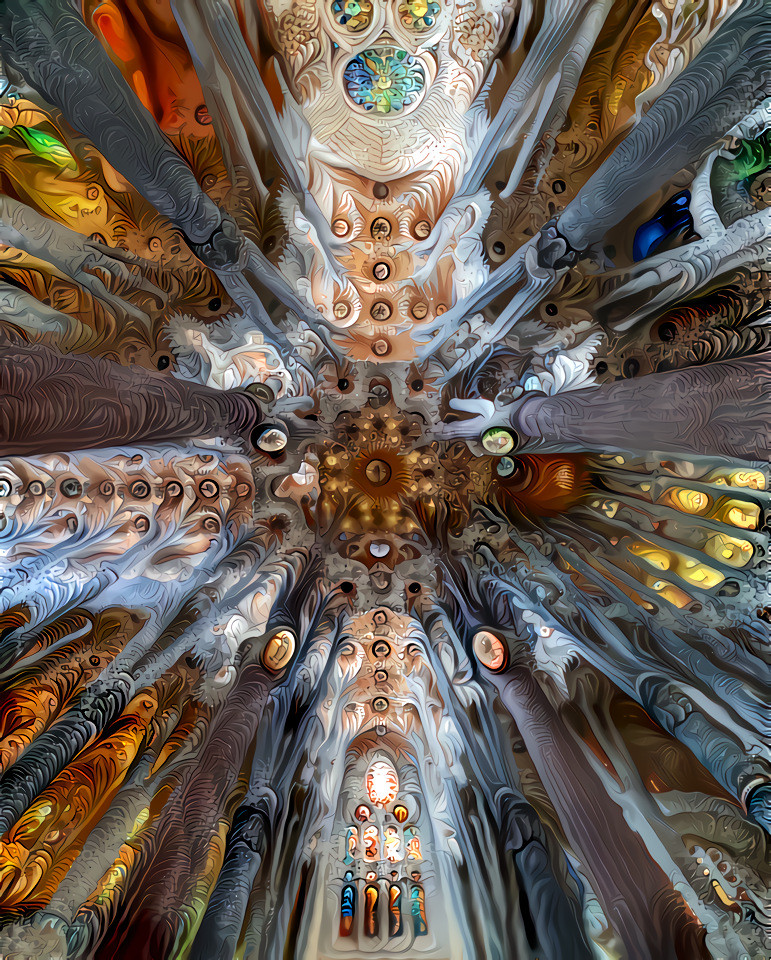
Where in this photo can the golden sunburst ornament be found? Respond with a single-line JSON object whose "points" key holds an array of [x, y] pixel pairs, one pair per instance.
{"points": [[380, 473]]}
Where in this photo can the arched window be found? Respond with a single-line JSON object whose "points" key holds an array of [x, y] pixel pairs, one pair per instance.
{"points": [[382, 894]]}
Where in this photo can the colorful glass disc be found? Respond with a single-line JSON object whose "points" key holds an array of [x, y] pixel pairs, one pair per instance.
{"points": [[384, 80]]}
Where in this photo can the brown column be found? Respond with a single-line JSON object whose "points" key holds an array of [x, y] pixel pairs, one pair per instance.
{"points": [[50, 402]]}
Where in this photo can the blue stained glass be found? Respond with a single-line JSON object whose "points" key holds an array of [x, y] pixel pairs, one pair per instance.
{"points": [[670, 218]]}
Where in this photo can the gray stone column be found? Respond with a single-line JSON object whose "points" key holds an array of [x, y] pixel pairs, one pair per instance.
{"points": [[719, 409]]}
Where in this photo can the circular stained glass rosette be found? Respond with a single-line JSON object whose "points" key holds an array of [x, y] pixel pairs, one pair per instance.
{"points": [[418, 15], [354, 15], [384, 80]]}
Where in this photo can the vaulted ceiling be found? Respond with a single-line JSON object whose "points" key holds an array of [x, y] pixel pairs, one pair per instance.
{"points": [[384, 433]]}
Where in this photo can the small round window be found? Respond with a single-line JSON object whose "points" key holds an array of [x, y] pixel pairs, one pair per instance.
{"points": [[418, 15], [353, 15]]}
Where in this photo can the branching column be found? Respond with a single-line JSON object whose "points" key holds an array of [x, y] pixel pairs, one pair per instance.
{"points": [[636, 895]]}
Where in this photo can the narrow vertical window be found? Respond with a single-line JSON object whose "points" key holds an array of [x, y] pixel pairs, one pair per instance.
{"points": [[413, 844], [371, 839], [395, 924], [351, 845], [418, 907], [347, 906], [371, 919]]}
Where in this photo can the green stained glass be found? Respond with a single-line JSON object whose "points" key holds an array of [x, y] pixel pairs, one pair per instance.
{"points": [[47, 147]]}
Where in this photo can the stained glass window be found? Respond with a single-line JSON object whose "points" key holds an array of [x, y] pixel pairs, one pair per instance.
{"points": [[383, 80], [418, 15], [354, 15], [380, 856]]}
